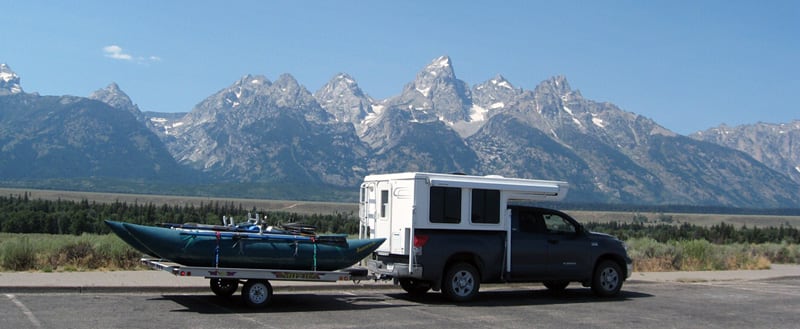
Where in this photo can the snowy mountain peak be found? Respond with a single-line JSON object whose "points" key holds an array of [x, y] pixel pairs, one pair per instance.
{"points": [[439, 67], [500, 81], [9, 81], [343, 98], [253, 80], [440, 62], [557, 84]]}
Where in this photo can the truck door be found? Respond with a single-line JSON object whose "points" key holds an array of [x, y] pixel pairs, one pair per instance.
{"points": [[568, 250], [529, 246]]}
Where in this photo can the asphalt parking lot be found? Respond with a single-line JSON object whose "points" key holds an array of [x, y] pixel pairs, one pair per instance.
{"points": [[769, 303]]}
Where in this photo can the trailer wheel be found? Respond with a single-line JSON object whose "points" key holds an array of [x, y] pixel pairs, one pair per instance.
{"points": [[461, 283], [415, 287], [256, 293], [224, 287]]}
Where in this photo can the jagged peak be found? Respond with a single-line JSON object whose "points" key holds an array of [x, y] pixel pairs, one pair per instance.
{"points": [[501, 81], [558, 84], [441, 67], [339, 83], [440, 62], [250, 79], [344, 77], [115, 97], [113, 86], [111, 92], [9, 80], [287, 80]]}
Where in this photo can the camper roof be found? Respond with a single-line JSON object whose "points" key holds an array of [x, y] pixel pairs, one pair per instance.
{"points": [[519, 188]]}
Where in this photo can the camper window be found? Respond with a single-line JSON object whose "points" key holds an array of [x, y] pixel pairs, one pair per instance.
{"points": [[445, 205], [485, 206], [384, 202]]}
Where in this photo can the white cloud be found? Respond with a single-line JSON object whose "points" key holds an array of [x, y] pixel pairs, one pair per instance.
{"points": [[116, 52]]}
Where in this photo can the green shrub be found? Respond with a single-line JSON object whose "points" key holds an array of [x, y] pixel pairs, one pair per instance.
{"points": [[18, 254]]}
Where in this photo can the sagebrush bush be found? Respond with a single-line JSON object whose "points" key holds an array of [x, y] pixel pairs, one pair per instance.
{"points": [[45, 252], [18, 254]]}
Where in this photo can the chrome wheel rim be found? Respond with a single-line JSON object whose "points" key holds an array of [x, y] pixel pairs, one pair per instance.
{"points": [[609, 279], [258, 293], [463, 283]]}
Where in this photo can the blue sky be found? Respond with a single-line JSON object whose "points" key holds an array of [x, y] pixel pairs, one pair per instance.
{"points": [[688, 65]]}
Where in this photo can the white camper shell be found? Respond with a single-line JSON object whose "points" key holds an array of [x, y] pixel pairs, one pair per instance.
{"points": [[392, 206]]}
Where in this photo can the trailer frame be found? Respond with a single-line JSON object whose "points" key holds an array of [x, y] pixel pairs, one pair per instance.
{"points": [[256, 289]]}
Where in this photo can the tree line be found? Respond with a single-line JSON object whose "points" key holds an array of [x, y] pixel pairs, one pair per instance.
{"points": [[21, 214], [718, 234]]}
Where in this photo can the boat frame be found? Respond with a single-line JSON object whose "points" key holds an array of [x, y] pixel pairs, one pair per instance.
{"points": [[256, 289]]}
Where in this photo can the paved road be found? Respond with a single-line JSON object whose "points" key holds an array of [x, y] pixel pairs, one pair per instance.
{"points": [[771, 303]]}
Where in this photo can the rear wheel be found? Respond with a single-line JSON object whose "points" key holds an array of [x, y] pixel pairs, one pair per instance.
{"points": [[607, 279], [461, 282], [415, 287], [257, 293], [224, 287]]}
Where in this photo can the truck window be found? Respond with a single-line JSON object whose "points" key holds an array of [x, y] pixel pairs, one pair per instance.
{"points": [[445, 205], [485, 206], [557, 224]]}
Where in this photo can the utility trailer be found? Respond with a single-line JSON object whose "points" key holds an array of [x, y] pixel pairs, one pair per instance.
{"points": [[256, 289]]}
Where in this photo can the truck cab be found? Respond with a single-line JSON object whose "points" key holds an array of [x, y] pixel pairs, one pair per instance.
{"points": [[453, 232]]}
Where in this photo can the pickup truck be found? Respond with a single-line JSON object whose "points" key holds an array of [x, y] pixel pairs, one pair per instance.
{"points": [[450, 233]]}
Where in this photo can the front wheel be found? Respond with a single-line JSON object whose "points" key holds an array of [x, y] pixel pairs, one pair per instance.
{"points": [[607, 279], [256, 293], [461, 282]]}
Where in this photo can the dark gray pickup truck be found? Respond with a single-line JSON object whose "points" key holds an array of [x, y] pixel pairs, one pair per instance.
{"points": [[456, 237]]}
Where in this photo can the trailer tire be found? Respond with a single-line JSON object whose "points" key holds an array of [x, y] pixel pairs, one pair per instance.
{"points": [[257, 293], [415, 287], [461, 282], [224, 287]]}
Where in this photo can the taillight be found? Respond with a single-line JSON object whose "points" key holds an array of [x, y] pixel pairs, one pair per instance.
{"points": [[420, 240]]}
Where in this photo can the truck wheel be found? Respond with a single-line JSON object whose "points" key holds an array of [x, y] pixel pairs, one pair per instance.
{"points": [[415, 287], [256, 293], [607, 279], [556, 286], [224, 287], [461, 283]]}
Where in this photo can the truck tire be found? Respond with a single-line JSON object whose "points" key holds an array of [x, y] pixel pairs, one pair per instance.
{"points": [[224, 287], [257, 293], [607, 279], [461, 282], [415, 287]]}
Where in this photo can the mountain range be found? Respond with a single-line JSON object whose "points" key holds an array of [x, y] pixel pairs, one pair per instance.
{"points": [[276, 139]]}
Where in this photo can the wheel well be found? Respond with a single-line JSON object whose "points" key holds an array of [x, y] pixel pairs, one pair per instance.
{"points": [[465, 257], [614, 258]]}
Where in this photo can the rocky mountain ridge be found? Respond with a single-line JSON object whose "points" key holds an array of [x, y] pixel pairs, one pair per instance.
{"points": [[261, 132]]}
